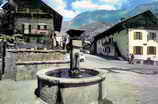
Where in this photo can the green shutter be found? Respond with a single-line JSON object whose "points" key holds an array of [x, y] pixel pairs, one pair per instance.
{"points": [[141, 35], [134, 50], [134, 35], [141, 50]]}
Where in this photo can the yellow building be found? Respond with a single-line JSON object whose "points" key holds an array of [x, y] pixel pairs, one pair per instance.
{"points": [[143, 43]]}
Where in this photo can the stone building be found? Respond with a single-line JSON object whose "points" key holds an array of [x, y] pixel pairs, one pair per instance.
{"points": [[137, 35], [35, 20]]}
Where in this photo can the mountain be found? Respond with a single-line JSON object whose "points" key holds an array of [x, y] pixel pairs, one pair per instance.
{"points": [[111, 16], [93, 29], [97, 16], [95, 25], [65, 26], [153, 7]]}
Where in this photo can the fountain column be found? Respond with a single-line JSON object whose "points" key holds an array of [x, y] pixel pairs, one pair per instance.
{"points": [[74, 59]]}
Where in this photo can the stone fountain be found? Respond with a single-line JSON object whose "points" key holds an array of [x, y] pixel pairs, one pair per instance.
{"points": [[74, 85]]}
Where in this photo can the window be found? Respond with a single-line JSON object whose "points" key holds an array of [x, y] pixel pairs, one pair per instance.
{"points": [[45, 27], [27, 39], [30, 29], [26, 28], [108, 49], [152, 36], [39, 40], [151, 50], [111, 40], [104, 50], [23, 27], [38, 27], [137, 36], [138, 50]]}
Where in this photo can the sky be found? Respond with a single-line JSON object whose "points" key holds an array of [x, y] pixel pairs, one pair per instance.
{"points": [[71, 8]]}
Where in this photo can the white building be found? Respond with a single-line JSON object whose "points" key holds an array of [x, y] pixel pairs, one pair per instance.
{"points": [[137, 35]]}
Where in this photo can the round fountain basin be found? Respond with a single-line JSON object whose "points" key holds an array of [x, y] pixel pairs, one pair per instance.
{"points": [[55, 86], [64, 73]]}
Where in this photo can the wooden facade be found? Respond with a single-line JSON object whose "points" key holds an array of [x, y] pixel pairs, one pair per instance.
{"points": [[35, 20]]}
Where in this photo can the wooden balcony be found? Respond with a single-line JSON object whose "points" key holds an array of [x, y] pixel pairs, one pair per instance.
{"points": [[30, 11], [39, 32]]}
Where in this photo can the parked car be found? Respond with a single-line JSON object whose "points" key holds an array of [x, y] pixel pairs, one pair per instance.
{"points": [[82, 57]]}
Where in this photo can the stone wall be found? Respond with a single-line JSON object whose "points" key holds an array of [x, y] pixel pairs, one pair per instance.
{"points": [[28, 71], [39, 55], [10, 66], [23, 64]]}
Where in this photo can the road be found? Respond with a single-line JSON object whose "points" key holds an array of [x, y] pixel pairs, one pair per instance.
{"points": [[126, 84]]}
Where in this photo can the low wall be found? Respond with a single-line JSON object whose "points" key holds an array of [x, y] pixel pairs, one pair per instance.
{"points": [[145, 62], [23, 64], [28, 70], [39, 55]]}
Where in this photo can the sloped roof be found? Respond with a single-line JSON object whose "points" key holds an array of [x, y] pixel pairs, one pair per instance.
{"points": [[4, 3], [57, 17], [145, 19]]}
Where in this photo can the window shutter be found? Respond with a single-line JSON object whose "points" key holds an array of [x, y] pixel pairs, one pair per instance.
{"points": [[134, 50], [23, 27], [154, 50], [141, 35], [30, 29], [148, 37], [141, 50], [134, 36]]}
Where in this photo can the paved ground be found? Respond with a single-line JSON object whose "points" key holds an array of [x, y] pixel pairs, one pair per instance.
{"points": [[126, 84]]}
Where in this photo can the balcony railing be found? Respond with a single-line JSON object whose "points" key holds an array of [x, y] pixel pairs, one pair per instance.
{"points": [[39, 32]]}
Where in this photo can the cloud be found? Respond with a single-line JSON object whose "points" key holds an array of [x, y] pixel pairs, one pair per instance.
{"points": [[68, 14], [85, 5], [60, 7], [117, 3], [59, 4], [110, 1]]}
